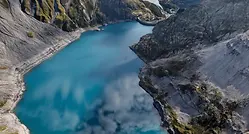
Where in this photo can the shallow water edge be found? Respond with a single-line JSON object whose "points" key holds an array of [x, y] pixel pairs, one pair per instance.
{"points": [[18, 72]]}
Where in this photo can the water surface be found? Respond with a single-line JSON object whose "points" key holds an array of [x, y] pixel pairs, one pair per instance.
{"points": [[90, 87]]}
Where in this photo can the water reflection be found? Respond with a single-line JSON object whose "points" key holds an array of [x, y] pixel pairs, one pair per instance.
{"points": [[91, 87], [124, 108]]}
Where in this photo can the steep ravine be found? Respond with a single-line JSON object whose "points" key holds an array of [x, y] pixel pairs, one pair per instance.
{"points": [[197, 68]]}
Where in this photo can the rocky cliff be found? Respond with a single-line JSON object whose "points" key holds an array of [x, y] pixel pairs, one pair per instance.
{"points": [[66, 14], [71, 14], [129, 9], [197, 68]]}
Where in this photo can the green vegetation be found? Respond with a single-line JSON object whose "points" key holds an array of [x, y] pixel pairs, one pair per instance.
{"points": [[27, 6], [61, 17], [30, 34], [44, 12], [60, 7], [40, 13], [2, 103], [47, 10], [214, 110], [2, 128], [14, 133], [51, 6], [5, 3], [182, 127], [72, 12]]}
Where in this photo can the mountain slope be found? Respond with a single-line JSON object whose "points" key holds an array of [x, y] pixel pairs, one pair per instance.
{"points": [[70, 14], [197, 68]]}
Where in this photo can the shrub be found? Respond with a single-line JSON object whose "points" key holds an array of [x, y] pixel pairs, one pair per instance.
{"points": [[30, 34], [2, 102]]}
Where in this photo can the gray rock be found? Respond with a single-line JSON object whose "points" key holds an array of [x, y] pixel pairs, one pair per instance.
{"points": [[205, 24], [204, 45]]}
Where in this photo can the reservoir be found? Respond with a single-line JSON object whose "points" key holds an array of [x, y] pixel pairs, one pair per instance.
{"points": [[91, 87]]}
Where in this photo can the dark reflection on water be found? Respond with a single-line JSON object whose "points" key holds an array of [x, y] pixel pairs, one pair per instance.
{"points": [[91, 87]]}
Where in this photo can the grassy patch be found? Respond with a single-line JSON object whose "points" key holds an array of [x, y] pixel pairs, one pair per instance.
{"points": [[5, 3], [61, 17], [3, 128], [46, 10], [60, 7], [72, 12], [2, 103], [182, 128], [30, 34], [40, 15], [27, 6]]}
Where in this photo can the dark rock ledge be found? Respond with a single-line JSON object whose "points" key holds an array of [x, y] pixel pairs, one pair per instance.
{"points": [[197, 68]]}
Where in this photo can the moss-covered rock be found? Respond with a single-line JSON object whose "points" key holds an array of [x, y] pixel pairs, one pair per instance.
{"points": [[2, 128], [60, 7], [2, 102], [4, 3], [26, 6], [125, 10], [30, 34], [84, 13], [65, 14]]}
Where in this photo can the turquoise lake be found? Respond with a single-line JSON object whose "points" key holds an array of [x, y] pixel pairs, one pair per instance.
{"points": [[91, 87]]}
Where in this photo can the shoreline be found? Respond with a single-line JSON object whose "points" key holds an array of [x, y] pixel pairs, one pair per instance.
{"points": [[18, 71]]}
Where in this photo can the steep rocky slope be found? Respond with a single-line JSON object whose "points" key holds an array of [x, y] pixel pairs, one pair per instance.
{"points": [[70, 14], [66, 14], [197, 68], [129, 9]]}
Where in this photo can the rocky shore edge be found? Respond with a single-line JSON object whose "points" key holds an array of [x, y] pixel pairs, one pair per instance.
{"points": [[18, 71], [197, 69]]}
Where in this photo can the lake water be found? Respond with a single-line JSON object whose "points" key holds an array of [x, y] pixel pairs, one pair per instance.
{"points": [[91, 87]]}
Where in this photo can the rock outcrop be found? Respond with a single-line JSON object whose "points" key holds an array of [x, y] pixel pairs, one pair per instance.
{"points": [[197, 66], [71, 14], [116, 10], [66, 14]]}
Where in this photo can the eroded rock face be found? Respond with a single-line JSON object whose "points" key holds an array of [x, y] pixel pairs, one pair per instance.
{"points": [[66, 14], [115, 10], [197, 66], [84, 12], [205, 24], [70, 14]]}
